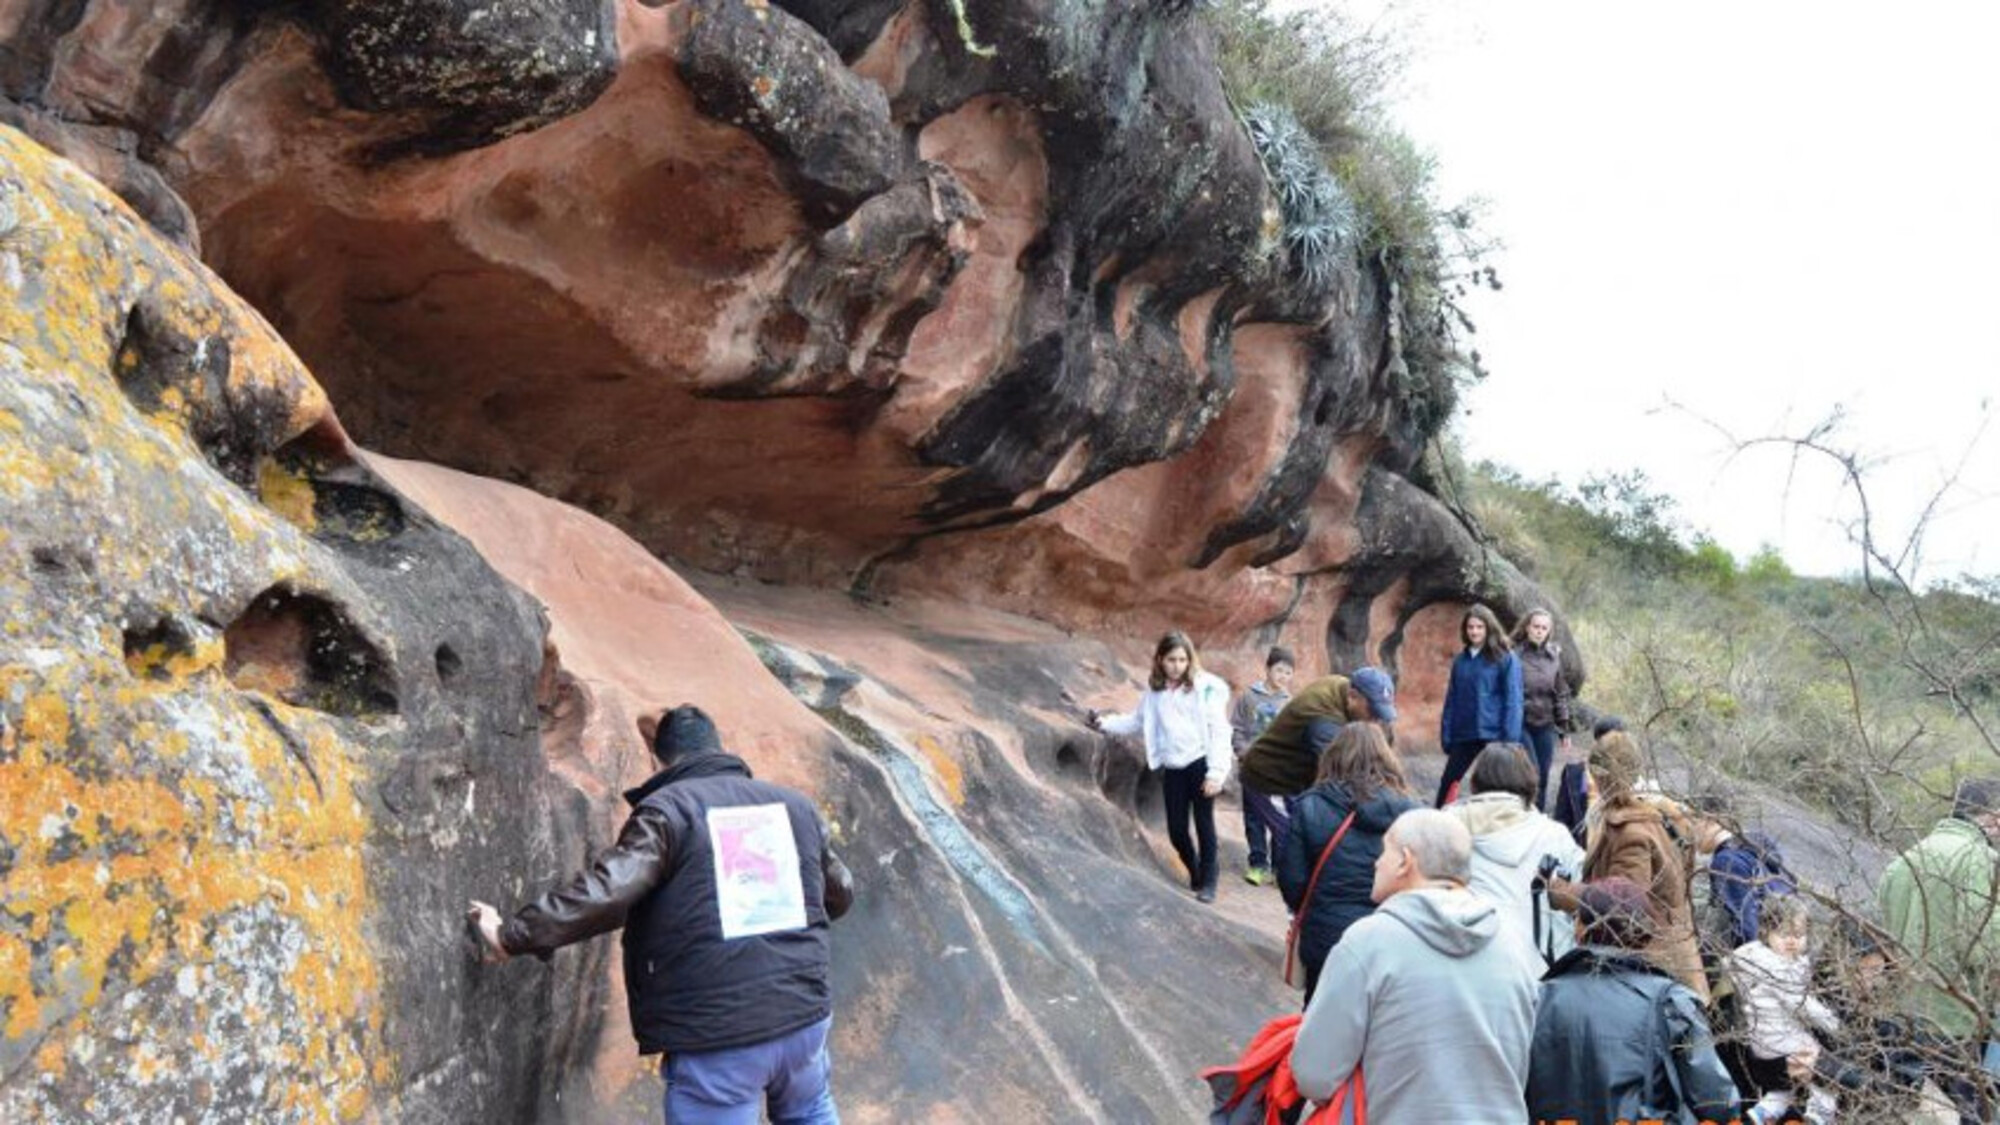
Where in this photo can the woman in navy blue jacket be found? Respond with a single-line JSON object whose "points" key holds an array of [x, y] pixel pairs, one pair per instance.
{"points": [[1483, 702], [1359, 773]]}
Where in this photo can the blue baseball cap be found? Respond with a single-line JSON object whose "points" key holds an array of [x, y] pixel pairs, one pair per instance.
{"points": [[1378, 689]]}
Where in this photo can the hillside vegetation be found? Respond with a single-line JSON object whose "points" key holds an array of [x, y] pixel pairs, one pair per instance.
{"points": [[1310, 85], [1859, 695]]}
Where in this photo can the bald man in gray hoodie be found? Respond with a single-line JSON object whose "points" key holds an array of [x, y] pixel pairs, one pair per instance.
{"points": [[1440, 1026]]}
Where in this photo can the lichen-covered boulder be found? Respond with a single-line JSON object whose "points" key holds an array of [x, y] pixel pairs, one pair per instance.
{"points": [[263, 724]]}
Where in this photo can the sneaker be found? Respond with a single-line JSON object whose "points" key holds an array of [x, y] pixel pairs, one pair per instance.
{"points": [[1258, 876], [1206, 894]]}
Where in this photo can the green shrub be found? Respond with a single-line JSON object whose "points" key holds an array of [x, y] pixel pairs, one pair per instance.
{"points": [[1309, 85], [1820, 687]]}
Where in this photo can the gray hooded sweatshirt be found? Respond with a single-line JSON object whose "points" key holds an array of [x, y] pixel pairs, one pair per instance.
{"points": [[1440, 1026]]}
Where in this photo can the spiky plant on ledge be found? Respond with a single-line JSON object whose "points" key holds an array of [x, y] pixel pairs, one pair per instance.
{"points": [[1322, 227]]}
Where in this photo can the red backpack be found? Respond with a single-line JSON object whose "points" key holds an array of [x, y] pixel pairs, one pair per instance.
{"points": [[1257, 1089]]}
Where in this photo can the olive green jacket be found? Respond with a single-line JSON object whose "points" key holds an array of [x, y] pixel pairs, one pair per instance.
{"points": [[1278, 763]]}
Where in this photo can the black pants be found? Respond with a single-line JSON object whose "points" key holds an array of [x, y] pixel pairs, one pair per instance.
{"points": [[1766, 1076], [1457, 759], [1180, 789]]}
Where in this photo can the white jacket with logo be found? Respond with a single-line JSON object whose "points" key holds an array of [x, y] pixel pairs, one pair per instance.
{"points": [[1181, 725]]}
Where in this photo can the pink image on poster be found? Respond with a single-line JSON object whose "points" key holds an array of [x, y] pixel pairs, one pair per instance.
{"points": [[757, 887]]}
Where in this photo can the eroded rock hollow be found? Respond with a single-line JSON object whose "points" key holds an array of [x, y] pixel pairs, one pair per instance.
{"points": [[979, 311]]}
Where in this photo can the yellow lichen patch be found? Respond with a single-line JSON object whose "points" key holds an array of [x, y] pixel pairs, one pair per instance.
{"points": [[24, 1011], [162, 661], [137, 849], [173, 850], [315, 878], [49, 1060], [45, 720], [45, 802], [944, 767], [286, 493]]}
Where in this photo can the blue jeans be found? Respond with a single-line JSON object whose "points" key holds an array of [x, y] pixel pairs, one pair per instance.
{"points": [[1542, 743], [1264, 826], [732, 1085]]}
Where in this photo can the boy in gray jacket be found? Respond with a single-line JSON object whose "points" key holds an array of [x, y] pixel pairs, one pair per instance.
{"points": [[1439, 1026], [1264, 822]]}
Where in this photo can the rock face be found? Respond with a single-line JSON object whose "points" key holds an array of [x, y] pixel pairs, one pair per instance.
{"points": [[257, 714], [1019, 949], [980, 310], [989, 300]]}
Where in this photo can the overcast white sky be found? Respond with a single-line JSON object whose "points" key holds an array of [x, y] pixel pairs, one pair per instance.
{"points": [[1761, 211]]}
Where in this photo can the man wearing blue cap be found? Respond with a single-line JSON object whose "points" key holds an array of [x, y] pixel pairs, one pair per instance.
{"points": [[1281, 762]]}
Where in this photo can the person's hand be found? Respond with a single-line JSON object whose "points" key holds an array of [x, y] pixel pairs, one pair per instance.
{"points": [[486, 921], [1210, 788], [1799, 1065]]}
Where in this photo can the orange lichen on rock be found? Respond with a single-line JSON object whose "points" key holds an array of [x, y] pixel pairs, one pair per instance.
{"points": [[944, 767], [183, 882]]}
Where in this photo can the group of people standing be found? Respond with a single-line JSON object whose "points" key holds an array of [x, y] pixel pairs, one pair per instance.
{"points": [[1477, 963], [1480, 960], [1501, 690]]}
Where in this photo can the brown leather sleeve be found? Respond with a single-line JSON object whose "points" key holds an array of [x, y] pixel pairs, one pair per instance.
{"points": [[1635, 857], [594, 901]]}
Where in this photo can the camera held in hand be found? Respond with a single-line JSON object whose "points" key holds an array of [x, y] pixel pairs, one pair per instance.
{"points": [[1547, 870]]}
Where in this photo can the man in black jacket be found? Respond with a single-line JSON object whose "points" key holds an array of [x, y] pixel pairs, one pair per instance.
{"points": [[725, 931]]}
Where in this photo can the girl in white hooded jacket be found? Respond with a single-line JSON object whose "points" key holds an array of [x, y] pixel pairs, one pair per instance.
{"points": [[1773, 978], [1515, 847], [1184, 721]]}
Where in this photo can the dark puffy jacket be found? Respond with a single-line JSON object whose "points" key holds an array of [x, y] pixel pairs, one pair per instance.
{"points": [[1483, 701], [688, 986], [1342, 896], [1618, 1040]]}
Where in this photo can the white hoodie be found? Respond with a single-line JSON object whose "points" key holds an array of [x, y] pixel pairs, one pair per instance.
{"points": [[1180, 727], [1508, 842]]}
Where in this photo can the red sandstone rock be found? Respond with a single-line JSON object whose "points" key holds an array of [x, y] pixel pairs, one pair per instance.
{"points": [[800, 291]]}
